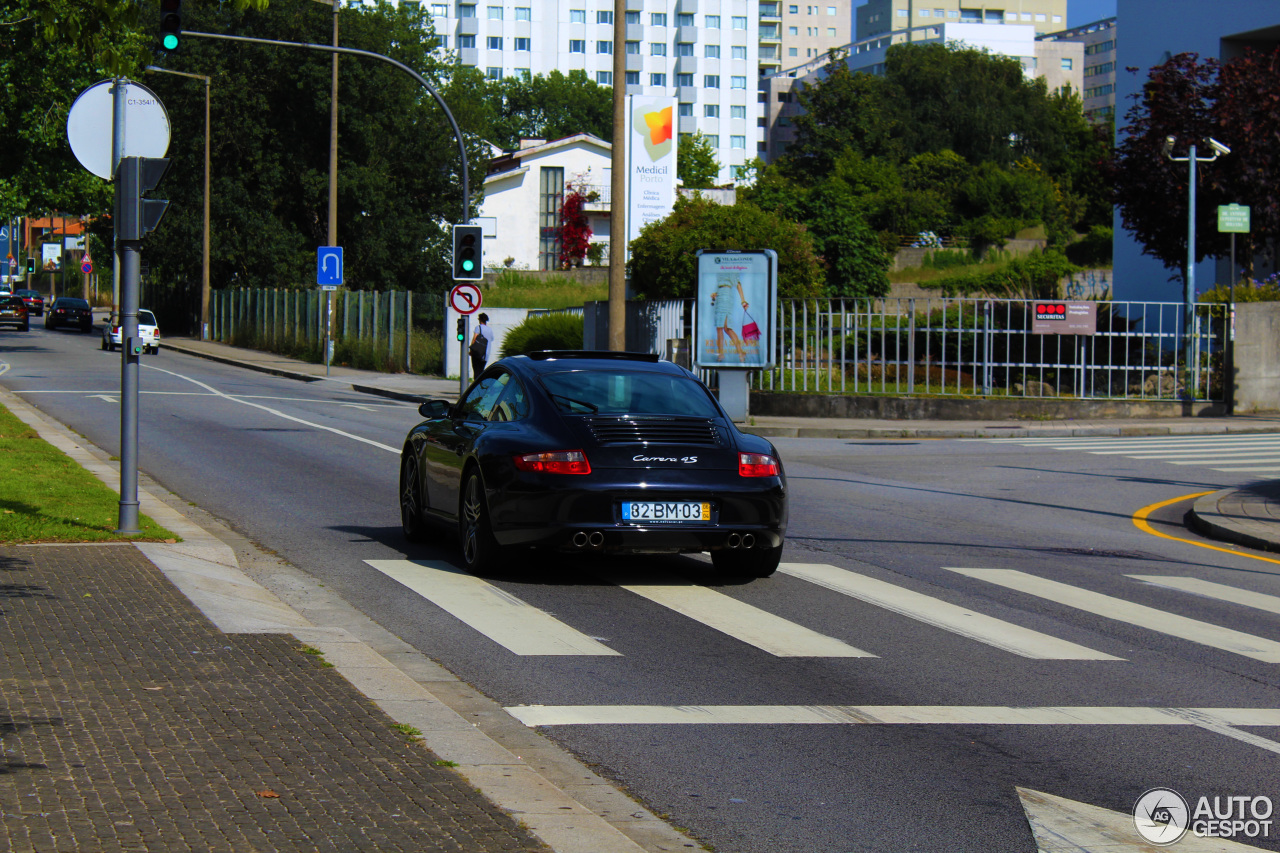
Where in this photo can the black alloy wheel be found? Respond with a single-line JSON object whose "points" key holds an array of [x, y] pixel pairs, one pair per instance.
{"points": [[411, 523], [480, 551]]}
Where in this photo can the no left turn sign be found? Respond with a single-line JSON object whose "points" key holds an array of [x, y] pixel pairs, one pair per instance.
{"points": [[465, 298]]}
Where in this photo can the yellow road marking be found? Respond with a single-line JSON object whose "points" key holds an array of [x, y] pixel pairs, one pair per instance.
{"points": [[1140, 522]]}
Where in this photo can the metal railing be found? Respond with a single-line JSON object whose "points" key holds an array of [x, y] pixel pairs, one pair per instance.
{"points": [[986, 347]]}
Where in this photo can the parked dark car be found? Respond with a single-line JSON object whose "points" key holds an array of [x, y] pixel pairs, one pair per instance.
{"points": [[34, 301], [13, 312], [69, 311], [593, 451]]}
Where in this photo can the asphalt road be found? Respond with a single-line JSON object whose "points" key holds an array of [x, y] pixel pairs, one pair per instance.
{"points": [[954, 625]]}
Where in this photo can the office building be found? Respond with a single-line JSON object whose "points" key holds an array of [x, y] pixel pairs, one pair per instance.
{"points": [[1099, 92]]}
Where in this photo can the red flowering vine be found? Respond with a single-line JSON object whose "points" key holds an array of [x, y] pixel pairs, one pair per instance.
{"points": [[575, 233]]}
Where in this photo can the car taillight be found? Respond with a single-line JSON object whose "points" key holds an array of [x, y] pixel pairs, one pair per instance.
{"points": [[757, 465], [554, 462]]}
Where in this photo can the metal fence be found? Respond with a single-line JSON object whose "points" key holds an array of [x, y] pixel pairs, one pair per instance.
{"points": [[290, 321], [984, 347]]}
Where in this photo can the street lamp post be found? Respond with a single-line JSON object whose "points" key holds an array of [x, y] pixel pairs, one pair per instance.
{"points": [[1189, 296], [204, 257]]}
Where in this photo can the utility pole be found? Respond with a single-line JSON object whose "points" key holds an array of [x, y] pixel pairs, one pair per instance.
{"points": [[618, 186]]}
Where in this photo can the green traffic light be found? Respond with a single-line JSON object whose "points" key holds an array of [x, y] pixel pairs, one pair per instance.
{"points": [[468, 265], [170, 41]]}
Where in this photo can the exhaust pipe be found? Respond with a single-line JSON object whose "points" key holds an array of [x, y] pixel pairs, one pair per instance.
{"points": [[734, 541], [596, 539], [580, 539], [748, 540]]}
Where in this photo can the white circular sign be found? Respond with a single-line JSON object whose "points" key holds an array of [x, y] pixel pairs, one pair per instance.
{"points": [[465, 298], [89, 126], [1161, 816]]}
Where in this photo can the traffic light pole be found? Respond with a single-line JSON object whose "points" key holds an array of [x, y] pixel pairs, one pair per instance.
{"points": [[128, 252], [325, 48]]}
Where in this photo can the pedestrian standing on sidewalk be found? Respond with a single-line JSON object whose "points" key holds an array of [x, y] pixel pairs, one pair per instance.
{"points": [[480, 344]]}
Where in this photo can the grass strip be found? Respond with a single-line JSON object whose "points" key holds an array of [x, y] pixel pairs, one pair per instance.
{"points": [[46, 497]]}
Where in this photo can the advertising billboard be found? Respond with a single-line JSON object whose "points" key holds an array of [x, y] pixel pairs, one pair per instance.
{"points": [[737, 308], [651, 161]]}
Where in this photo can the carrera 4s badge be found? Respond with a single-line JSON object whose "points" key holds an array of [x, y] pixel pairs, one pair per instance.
{"points": [[685, 459]]}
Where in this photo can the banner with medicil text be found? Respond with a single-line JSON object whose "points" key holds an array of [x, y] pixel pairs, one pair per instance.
{"points": [[651, 161], [737, 308]]}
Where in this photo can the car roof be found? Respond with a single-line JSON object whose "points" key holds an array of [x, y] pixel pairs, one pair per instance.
{"points": [[555, 361]]}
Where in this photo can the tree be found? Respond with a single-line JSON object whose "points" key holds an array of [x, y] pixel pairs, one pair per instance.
{"points": [[696, 163], [549, 107], [663, 262]]}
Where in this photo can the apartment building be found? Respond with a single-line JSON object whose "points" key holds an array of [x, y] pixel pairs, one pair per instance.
{"points": [[1099, 40], [703, 53], [907, 20], [793, 33]]}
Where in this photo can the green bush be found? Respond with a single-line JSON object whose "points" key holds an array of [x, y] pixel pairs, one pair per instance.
{"points": [[1092, 250], [544, 331]]}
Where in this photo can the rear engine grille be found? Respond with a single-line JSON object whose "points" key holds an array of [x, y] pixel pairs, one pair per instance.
{"points": [[654, 431]]}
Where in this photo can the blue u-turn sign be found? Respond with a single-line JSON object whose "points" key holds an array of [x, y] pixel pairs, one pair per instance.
{"points": [[329, 265]]}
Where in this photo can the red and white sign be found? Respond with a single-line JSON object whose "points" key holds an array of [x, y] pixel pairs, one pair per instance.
{"points": [[86, 264], [465, 298]]}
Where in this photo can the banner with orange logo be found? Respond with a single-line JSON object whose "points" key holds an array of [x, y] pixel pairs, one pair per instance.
{"points": [[651, 161]]}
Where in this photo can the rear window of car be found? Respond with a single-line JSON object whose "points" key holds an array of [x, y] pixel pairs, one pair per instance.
{"points": [[12, 302], [582, 392], [146, 318], [69, 302]]}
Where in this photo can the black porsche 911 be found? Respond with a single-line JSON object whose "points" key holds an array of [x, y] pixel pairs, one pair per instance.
{"points": [[593, 451]]}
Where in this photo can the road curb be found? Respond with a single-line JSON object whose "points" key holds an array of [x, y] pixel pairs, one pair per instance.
{"points": [[1207, 518]]}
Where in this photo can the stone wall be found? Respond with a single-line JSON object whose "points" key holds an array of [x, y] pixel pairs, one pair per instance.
{"points": [[1257, 372]]}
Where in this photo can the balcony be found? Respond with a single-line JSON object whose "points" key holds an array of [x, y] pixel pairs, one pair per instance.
{"points": [[686, 7], [770, 11], [468, 26], [686, 34], [635, 62], [686, 64], [688, 124]]}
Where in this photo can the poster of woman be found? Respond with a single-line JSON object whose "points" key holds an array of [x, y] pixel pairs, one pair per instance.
{"points": [[735, 309]]}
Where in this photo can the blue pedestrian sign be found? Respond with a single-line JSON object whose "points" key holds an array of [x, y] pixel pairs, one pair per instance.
{"points": [[329, 266]]}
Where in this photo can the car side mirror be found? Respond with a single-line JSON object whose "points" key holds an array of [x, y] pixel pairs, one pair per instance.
{"points": [[435, 408]]}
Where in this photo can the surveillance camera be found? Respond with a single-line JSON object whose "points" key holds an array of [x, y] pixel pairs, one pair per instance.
{"points": [[1168, 145], [1218, 146]]}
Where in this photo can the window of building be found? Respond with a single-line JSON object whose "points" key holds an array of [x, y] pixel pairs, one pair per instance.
{"points": [[737, 142], [1040, 18], [794, 31], [684, 79], [1026, 16], [577, 45], [577, 16], [686, 109], [1066, 63], [684, 48], [523, 43], [738, 112], [633, 47], [658, 80], [604, 78], [633, 78], [794, 10], [903, 13], [550, 200], [713, 139], [711, 51], [768, 31], [657, 48], [604, 47], [712, 22], [657, 19], [925, 13], [493, 72], [737, 82], [440, 10], [831, 32], [604, 17], [1057, 19], [494, 42], [738, 22], [711, 81], [443, 42], [465, 42], [524, 74], [739, 51], [684, 19], [466, 11], [793, 51], [631, 18], [711, 111], [495, 13], [831, 10], [953, 13]]}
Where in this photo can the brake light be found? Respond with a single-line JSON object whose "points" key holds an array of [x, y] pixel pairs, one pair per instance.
{"points": [[554, 462], [757, 465]]}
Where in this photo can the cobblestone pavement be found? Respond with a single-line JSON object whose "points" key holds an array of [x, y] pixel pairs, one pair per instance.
{"points": [[129, 722]]}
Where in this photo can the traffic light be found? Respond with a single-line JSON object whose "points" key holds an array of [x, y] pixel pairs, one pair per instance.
{"points": [[462, 328], [170, 24], [31, 265], [137, 216], [468, 252]]}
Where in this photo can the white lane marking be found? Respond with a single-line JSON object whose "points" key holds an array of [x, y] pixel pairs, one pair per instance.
{"points": [[950, 617], [279, 413], [1213, 460], [1134, 441], [1220, 591], [359, 406], [106, 397], [1119, 609], [739, 620], [888, 715], [1174, 453], [511, 623], [1060, 825], [4, 367], [1250, 470]]}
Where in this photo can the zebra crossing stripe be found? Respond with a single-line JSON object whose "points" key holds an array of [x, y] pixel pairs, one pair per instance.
{"points": [[737, 619], [1121, 610], [941, 614], [1222, 592], [888, 715], [500, 616]]}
